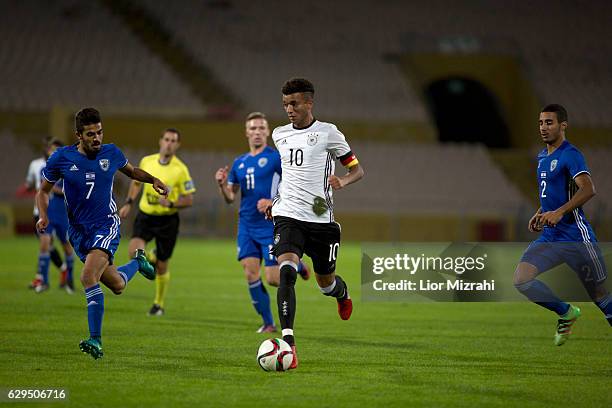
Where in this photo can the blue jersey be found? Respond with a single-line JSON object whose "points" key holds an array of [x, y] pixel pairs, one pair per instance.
{"points": [[88, 182], [556, 174], [258, 177]]}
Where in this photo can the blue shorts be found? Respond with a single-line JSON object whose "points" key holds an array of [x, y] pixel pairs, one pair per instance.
{"points": [[584, 258], [256, 242], [60, 228], [103, 235]]}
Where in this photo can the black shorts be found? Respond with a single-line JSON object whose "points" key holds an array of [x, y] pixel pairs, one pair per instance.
{"points": [[320, 241], [164, 228]]}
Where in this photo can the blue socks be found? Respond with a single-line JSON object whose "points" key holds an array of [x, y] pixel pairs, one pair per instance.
{"points": [[540, 294], [128, 270], [605, 305], [261, 301], [69, 266], [95, 310], [43, 266]]}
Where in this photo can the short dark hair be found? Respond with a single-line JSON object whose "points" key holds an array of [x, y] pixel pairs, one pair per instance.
{"points": [[172, 130], [86, 116], [558, 110], [255, 115], [298, 85], [56, 142]]}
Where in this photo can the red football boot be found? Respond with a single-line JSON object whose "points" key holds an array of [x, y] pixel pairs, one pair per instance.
{"points": [[294, 363], [345, 308]]}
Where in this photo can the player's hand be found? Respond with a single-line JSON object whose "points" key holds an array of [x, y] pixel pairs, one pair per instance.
{"points": [[268, 212], [160, 187], [534, 223], [164, 202], [336, 182], [125, 210], [263, 204], [221, 175], [42, 224], [550, 218]]}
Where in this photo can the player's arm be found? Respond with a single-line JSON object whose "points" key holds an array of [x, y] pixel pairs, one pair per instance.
{"points": [[184, 201], [227, 191], [139, 174], [355, 172], [42, 202], [586, 191], [133, 192]]}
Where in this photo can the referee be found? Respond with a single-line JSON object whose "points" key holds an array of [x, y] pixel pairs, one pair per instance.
{"points": [[157, 216]]}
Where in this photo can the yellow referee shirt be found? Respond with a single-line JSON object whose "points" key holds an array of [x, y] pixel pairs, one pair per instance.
{"points": [[174, 174]]}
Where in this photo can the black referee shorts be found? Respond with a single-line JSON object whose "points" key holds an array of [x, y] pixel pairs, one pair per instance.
{"points": [[164, 228], [320, 241]]}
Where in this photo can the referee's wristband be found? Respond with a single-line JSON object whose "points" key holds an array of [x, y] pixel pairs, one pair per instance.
{"points": [[171, 204], [129, 201]]}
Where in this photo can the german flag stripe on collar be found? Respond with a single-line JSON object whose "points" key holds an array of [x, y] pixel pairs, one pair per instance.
{"points": [[348, 160]]}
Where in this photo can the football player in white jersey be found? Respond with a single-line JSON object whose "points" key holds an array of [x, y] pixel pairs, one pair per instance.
{"points": [[303, 208]]}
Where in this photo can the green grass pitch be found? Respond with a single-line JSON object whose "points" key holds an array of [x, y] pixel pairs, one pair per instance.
{"points": [[202, 353]]}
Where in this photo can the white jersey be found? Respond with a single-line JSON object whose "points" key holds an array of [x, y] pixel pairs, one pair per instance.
{"points": [[308, 159], [34, 174]]}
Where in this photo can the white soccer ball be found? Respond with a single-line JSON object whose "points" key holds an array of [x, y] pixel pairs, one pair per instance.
{"points": [[274, 355]]}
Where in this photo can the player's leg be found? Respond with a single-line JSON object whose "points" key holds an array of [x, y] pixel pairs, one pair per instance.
{"points": [[135, 244], [272, 275], [538, 258], [96, 262], [258, 292], [67, 280], [587, 261], [116, 278], [264, 239], [166, 233], [323, 245], [286, 300], [289, 240], [162, 280], [69, 256], [41, 282], [56, 258], [250, 256]]}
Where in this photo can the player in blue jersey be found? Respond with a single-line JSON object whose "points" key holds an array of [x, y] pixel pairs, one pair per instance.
{"points": [[47, 251], [88, 169], [58, 225], [256, 175], [565, 185]]}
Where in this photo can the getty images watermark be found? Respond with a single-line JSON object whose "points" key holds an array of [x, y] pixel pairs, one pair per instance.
{"points": [[471, 272]]}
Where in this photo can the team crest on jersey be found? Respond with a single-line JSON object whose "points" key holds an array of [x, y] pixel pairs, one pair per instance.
{"points": [[104, 164], [312, 139], [262, 162], [553, 165], [241, 166], [276, 239]]}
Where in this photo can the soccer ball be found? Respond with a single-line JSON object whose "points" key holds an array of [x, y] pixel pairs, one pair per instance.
{"points": [[274, 355]]}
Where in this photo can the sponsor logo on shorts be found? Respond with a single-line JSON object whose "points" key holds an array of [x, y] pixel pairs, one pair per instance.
{"points": [[276, 239]]}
